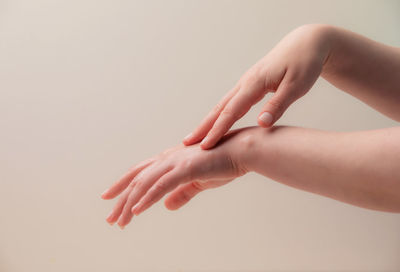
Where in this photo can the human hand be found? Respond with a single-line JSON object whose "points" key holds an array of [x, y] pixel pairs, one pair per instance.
{"points": [[289, 69], [184, 170]]}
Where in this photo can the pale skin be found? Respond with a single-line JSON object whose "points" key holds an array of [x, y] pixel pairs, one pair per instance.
{"points": [[364, 68], [359, 168]]}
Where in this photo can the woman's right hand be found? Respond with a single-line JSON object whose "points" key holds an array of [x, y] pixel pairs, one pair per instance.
{"points": [[289, 70]]}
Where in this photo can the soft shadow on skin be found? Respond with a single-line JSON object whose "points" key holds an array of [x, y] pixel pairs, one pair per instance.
{"points": [[234, 132]]}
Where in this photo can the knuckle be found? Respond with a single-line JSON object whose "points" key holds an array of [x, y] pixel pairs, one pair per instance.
{"points": [[149, 197], [237, 85], [187, 163], [161, 186], [229, 113], [138, 184], [253, 76], [262, 71], [276, 104], [132, 184], [247, 82], [197, 185], [167, 151], [133, 168], [218, 107]]}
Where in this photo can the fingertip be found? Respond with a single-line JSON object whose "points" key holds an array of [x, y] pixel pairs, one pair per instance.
{"points": [[188, 137], [206, 143], [172, 202], [107, 196], [134, 211], [120, 224], [261, 124], [110, 218], [186, 142], [173, 208], [265, 119], [171, 205], [192, 140], [204, 146], [105, 193], [103, 196]]}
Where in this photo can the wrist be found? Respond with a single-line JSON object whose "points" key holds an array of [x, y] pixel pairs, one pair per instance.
{"points": [[322, 40], [328, 37], [260, 148], [248, 143]]}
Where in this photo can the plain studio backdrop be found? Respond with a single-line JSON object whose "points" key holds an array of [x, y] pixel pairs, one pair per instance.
{"points": [[89, 88]]}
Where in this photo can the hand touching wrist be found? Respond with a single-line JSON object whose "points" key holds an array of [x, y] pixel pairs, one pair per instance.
{"points": [[289, 70]]}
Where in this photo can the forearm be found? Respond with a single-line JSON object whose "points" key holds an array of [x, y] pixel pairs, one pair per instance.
{"points": [[364, 68], [360, 168]]}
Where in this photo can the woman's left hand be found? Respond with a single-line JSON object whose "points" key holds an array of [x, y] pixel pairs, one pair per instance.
{"points": [[184, 170]]}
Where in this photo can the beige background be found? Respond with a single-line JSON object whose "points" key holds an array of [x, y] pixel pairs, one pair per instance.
{"points": [[89, 87]]}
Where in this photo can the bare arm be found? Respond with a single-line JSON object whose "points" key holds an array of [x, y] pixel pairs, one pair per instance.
{"points": [[364, 68], [360, 168]]}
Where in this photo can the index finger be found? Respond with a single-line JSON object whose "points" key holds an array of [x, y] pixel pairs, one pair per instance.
{"points": [[234, 110], [207, 123], [124, 181]]}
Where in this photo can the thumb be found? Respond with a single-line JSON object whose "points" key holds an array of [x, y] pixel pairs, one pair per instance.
{"points": [[284, 96], [181, 195]]}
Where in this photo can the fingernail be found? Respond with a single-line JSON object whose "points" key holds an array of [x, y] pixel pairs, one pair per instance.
{"points": [[187, 137], [135, 208], [137, 211], [109, 215], [266, 118], [204, 141], [119, 224], [105, 192]]}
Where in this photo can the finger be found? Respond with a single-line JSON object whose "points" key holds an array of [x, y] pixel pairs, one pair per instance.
{"points": [[182, 194], [209, 120], [284, 96], [124, 181], [165, 184], [116, 211], [142, 183], [234, 110]]}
